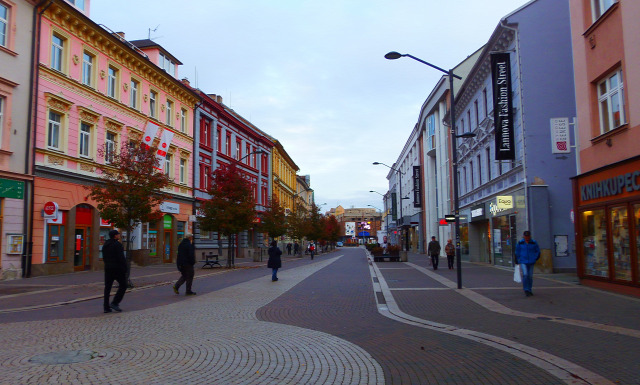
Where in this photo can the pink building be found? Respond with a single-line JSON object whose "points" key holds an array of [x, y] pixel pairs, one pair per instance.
{"points": [[606, 51], [96, 90]]}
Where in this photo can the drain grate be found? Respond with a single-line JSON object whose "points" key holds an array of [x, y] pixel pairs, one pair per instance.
{"points": [[66, 357], [380, 298]]}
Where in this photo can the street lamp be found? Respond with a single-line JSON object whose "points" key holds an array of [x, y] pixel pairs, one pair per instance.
{"points": [[454, 151], [251, 153], [400, 174], [376, 191]]}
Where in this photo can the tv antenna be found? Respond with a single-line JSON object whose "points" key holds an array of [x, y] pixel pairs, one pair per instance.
{"points": [[153, 30]]}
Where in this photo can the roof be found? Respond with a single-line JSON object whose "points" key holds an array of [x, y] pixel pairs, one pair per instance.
{"points": [[148, 43]]}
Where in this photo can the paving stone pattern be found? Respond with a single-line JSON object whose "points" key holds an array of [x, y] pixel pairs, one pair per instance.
{"points": [[340, 301], [208, 339]]}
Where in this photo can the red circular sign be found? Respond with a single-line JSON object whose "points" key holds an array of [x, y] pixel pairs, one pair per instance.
{"points": [[50, 208], [164, 145], [147, 138]]}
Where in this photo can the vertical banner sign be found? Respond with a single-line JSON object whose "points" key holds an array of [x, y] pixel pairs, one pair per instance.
{"points": [[417, 200], [560, 136], [163, 147], [394, 207], [502, 107], [150, 134]]}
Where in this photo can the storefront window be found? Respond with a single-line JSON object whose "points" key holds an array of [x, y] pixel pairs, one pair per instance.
{"points": [[153, 239], [636, 211], [620, 242], [594, 238], [180, 228], [464, 239], [503, 240]]}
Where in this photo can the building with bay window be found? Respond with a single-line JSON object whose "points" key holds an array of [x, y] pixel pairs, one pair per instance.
{"points": [[514, 174], [606, 193]]}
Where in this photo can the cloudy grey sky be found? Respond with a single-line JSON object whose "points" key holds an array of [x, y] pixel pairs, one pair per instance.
{"points": [[312, 73]]}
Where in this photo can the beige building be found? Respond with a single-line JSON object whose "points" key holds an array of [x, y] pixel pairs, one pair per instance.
{"points": [[16, 64]]}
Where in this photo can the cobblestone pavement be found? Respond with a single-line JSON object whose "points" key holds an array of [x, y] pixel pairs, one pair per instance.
{"points": [[209, 339]]}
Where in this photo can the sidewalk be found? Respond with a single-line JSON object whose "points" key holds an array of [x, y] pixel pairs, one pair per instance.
{"points": [[56, 290]]}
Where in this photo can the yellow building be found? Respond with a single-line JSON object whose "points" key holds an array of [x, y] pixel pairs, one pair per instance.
{"points": [[283, 173]]}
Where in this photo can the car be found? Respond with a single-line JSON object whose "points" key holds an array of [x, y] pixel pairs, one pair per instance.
{"points": [[339, 244]]}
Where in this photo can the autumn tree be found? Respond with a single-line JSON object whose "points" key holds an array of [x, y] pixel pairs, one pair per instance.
{"points": [[331, 229], [314, 224], [130, 189], [231, 208], [297, 222], [274, 220]]}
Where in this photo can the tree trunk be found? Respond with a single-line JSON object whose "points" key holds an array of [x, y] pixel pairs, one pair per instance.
{"points": [[127, 255]]}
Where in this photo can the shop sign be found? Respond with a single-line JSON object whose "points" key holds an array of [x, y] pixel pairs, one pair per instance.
{"points": [[104, 223], [611, 186], [50, 210], [417, 200], [167, 222], [477, 213], [503, 108], [349, 229], [57, 220], [494, 209], [520, 201], [10, 188], [170, 208], [504, 202], [560, 136]]}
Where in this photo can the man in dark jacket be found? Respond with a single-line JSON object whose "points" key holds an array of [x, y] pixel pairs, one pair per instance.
{"points": [[527, 254], [185, 261], [275, 262], [434, 251], [115, 269]]}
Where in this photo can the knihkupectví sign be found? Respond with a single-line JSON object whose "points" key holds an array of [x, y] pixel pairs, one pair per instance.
{"points": [[502, 107]]}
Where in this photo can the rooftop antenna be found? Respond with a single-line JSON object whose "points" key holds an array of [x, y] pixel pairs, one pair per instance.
{"points": [[153, 30]]}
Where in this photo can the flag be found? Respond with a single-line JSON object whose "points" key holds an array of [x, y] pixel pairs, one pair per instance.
{"points": [[163, 148], [150, 134]]}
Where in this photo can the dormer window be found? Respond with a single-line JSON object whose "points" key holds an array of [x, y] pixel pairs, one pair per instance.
{"points": [[167, 64], [78, 3]]}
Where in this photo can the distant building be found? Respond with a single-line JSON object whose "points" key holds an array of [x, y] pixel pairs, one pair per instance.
{"points": [[358, 225], [606, 54]]}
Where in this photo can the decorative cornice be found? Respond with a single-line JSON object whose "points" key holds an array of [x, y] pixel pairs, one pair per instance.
{"points": [[100, 39], [112, 124], [57, 102], [88, 115]]}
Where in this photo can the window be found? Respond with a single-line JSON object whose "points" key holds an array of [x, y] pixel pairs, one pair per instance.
{"points": [[183, 120], [469, 120], [55, 240], [620, 243], [167, 64], [2, 107], [594, 237], [205, 132], [205, 172], [247, 152], [109, 147], [238, 150], [153, 104], [484, 102], [611, 102], [4, 25], [87, 69], [488, 155], [169, 111], [472, 185], [167, 164], [462, 126], [78, 3], [183, 171], [133, 95], [227, 145], [599, 7], [479, 163], [112, 82], [464, 179], [53, 132], [85, 140], [477, 112], [218, 138], [57, 50]]}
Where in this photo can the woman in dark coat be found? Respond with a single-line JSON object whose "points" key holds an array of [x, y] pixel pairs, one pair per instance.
{"points": [[274, 260]]}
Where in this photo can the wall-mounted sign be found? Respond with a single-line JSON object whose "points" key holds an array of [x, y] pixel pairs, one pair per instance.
{"points": [[417, 200], [350, 229], [10, 188], [504, 202], [616, 185], [50, 210], [170, 208], [494, 209], [14, 243], [502, 105], [560, 136], [104, 223]]}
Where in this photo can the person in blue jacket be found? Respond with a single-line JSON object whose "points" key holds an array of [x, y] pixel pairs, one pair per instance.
{"points": [[527, 254]]}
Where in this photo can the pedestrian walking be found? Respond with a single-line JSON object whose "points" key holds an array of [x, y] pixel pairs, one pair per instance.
{"points": [[185, 261], [312, 249], [527, 254], [296, 248], [115, 269], [450, 250], [288, 248], [275, 262], [434, 251]]}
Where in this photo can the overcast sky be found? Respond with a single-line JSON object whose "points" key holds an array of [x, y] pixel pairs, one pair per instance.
{"points": [[312, 73]]}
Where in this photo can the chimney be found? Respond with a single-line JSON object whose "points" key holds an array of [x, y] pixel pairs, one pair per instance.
{"points": [[120, 34], [186, 82], [219, 99]]}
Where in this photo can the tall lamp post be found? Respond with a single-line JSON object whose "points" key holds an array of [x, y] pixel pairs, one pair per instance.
{"points": [[454, 151], [400, 174]]}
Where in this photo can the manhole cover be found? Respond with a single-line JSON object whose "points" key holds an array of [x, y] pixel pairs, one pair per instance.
{"points": [[68, 357]]}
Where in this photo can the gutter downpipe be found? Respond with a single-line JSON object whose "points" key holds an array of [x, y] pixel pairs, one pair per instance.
{"points": [[29, 167], [196, 153], [521, 109]]}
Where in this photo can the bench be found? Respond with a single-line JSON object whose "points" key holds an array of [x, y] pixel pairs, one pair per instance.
{"points": [[381, 258], [210, 260]]}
